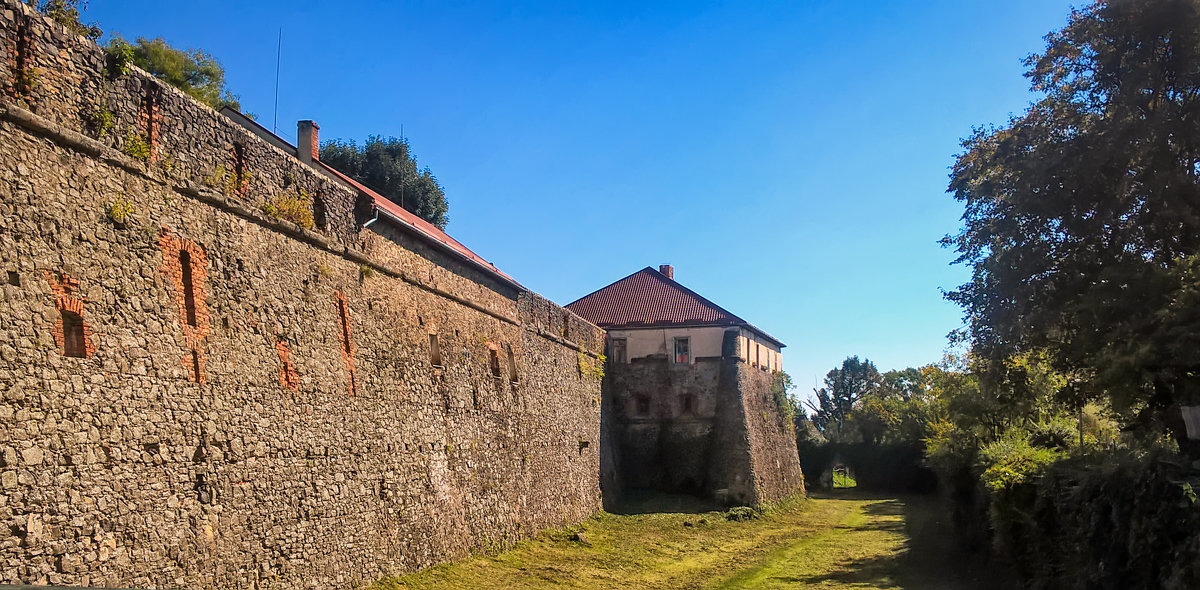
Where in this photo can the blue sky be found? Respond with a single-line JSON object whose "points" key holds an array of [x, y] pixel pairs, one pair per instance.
{"points": [[790, 159]]}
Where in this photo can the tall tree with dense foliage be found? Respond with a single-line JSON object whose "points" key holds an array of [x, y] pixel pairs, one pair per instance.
{"points": [[388, 166], [193, 71], [1082, 221], [844, 386]]}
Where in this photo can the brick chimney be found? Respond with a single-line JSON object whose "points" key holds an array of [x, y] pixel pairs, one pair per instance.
{"points": [[667, 270], [309, 148]]}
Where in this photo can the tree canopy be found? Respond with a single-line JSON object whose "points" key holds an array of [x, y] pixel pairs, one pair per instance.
{"points": [[1082, 222], [388, 166], [192, 71], [844, 386]]}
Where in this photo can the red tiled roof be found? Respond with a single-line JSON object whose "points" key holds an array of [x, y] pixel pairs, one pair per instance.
{"points": [[414, 222], [647, 298]]}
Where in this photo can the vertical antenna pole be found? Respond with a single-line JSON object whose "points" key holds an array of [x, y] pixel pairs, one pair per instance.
{"points": [[278, 54]]}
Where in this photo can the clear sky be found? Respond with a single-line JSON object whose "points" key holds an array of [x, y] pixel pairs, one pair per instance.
{"points": [[790, 159]]}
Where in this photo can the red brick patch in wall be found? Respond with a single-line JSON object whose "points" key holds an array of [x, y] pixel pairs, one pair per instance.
{"points": [[287, 371], [343, 311], [72, 335], [20, 81], [185, 265]]}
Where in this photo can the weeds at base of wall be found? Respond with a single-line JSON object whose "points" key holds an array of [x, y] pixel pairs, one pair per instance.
{"points": [[228, 183], [100, 121], [293, 206], [137, 147], [27, 80]]}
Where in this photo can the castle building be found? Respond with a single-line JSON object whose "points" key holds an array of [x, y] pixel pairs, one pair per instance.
{"points": [[690, 400]]}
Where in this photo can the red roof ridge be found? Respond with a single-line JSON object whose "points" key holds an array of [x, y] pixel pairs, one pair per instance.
{"points": [[649, 298]]}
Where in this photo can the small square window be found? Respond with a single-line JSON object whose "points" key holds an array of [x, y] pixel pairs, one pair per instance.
{"points": [[643, 405], [683, 353]]}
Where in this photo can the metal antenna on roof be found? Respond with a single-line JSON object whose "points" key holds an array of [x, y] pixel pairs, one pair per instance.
{"points": [[278, 55], [403, 184]]}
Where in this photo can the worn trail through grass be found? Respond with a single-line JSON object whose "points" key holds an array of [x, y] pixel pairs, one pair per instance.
{"points": [[844, 540]]}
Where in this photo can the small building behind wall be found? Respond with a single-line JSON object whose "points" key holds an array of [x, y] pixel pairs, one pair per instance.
{"points": [[687, 401]]}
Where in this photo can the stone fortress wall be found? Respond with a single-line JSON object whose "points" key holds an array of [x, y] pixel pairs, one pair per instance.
{"points": [[195, 392]]}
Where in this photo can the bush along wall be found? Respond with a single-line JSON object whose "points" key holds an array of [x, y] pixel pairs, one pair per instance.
{"points": [[1104, 520]]}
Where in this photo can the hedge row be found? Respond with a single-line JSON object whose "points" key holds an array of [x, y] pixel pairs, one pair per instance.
{"points": [[1111, 520]]}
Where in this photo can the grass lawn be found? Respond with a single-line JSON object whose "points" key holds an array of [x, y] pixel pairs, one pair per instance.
{"points": [[840, 540]]}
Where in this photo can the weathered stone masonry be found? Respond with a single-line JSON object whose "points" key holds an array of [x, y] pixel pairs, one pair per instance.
{"points": [[255, 404]]}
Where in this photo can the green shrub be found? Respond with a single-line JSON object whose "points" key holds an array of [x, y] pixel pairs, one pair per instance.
{"points": [[293, 206], [137, 147], [741, 514], [118, 55], [1012, 460]]}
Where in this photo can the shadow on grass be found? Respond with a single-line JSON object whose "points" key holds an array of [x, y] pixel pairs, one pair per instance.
{"points": [[638, 501], [931, 558]]}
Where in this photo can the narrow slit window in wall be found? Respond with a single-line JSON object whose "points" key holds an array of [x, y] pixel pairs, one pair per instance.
{"points": [[345, 326], [189, 295], [73, 338], [319, 218], [757, 355], [494, 362], [150, 108], [688, 403], [196, 366], [512, 364], [435, 351], [566, 320], [239, 162]]}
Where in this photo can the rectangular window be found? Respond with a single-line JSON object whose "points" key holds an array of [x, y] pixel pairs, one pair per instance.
{"points": [[435, 351], [757, 354], [619, 350], [683, 354]]}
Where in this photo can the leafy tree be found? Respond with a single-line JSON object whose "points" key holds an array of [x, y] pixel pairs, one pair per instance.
{"points": [[844, 386], [388, 166], [1082, 222], [897, 411], [193, 71], [66, 12]]}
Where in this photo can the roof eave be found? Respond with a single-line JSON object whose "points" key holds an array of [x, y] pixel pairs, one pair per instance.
{"points": [[410, 228]]}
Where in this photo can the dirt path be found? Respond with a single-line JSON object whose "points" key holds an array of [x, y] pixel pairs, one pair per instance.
{"points": [[836, 541]]}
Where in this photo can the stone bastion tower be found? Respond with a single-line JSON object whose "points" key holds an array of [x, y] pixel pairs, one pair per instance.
{"points": [[689, 402]]}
